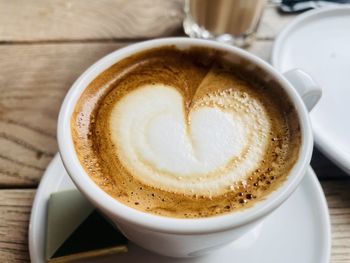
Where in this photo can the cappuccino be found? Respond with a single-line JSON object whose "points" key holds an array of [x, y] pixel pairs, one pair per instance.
{"points": [[185, 133]]}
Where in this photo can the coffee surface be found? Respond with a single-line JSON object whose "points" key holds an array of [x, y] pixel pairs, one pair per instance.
{"points": [[185, 133]]}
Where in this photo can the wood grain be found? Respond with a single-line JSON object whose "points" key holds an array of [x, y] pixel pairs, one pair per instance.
{"points": [[88, 19], [15, 207], [33, 83], [338, 199]]}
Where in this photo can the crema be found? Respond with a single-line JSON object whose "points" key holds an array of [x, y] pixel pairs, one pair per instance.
{"points": [[185, 133]]}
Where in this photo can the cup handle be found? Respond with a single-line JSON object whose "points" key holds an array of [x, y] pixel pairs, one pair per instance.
{"points": [[307, 88]]}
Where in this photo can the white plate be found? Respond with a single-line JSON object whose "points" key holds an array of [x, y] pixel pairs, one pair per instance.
{"points": [[318, 42], [298, 231]]}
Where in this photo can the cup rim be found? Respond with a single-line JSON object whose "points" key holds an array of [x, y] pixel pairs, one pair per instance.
{"points": [[127, 215]]}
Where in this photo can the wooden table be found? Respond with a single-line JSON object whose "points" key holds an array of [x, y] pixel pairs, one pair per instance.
{"points": [[44, 47]]}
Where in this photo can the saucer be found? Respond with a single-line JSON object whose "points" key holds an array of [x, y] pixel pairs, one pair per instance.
{"points": [[318, 42], [298, 231]]}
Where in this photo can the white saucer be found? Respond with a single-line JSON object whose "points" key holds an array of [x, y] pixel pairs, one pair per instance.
{"points": [[298, 231], [318, 42]]}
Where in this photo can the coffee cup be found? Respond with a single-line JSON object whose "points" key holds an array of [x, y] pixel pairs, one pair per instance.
{"points": [[189, 237]]}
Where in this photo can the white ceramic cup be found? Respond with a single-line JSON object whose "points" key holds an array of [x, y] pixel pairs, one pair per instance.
{"points": [[188, 237]]}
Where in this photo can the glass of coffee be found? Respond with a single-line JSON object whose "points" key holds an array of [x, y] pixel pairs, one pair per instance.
{"points": [[231, 21], [186, 144]]}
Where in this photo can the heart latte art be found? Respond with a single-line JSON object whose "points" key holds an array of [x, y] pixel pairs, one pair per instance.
{"points": [[185, 133], [204, 151]]}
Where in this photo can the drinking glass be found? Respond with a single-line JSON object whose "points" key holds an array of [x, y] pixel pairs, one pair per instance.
{"points": [[231, 21]]}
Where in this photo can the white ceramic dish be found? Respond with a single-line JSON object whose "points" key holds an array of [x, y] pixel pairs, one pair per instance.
{"points": [[318, 42], [298, 231]]}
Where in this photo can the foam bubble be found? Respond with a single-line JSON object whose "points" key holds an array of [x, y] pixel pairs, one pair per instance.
{"points": [[203, 152]]}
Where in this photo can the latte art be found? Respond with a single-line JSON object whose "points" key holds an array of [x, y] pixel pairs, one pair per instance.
{"points": [[205, 151], [185, 133]]}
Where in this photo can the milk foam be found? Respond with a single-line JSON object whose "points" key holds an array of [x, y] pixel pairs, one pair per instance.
{"points": [[202, 150]]}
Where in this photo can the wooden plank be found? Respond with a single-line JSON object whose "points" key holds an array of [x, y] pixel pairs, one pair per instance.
{"points": [[38, 20], [33, 82], [15, 207], [338, 199]]}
